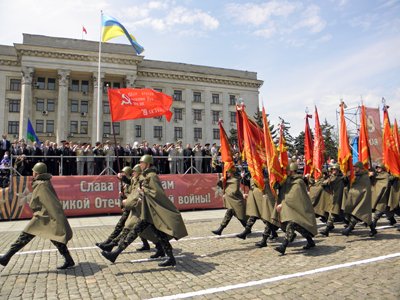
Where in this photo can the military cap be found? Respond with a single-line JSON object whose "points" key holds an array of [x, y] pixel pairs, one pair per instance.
{"points": [[127, 170], [335, 166], [359, 164], [137, 169], [293, 167]]}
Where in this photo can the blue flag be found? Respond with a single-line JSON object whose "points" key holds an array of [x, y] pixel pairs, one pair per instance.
{"points": [[31, 133]]}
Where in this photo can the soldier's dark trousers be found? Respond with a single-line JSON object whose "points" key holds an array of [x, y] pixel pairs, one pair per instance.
{"points": [[23, 239]]}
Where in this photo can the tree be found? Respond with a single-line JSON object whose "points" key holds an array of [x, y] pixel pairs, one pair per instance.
{"points": [[330, 139], [299, 143], [288, 137], [259, 120], [233, 138]]}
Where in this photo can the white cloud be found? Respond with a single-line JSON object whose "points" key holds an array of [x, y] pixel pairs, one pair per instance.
{"points": [[311, 20]]}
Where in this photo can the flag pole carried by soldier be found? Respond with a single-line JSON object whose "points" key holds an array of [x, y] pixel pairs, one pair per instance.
{"points": [[158, 213], [48, 220]]}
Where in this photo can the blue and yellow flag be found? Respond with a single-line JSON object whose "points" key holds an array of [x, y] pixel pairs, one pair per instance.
{"points": [[112, 29], [31, 133]]}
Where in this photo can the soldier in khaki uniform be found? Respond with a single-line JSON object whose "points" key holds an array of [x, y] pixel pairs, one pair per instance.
{"points": [[296, 210], [233, 200], [158, 213], [48, 221], [129, 183], [357, 204]]}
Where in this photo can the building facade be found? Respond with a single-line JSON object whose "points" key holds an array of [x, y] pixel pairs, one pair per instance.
{"points": [[54, 83]]}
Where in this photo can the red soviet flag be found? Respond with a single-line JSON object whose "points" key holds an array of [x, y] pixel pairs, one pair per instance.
{"points": [[130, 104]]}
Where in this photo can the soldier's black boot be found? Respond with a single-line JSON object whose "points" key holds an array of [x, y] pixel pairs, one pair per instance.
{"points": [[145, 246], [282, 248], [327, 229], [108, 247], [244, 234], [310, 243], [263, 242], [63, 249], [392, 220], [170, 261], [23, 239], [273, 235], [373, 231], [160, 251], [112, 256], [349, 228], [100, 245], [219, 230]]}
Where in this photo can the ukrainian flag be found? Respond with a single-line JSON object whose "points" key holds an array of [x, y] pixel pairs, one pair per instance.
{"points": [[112, 29]]}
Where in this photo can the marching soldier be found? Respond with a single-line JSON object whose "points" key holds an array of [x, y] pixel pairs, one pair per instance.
{"points": [[158, 213], [48, 219], [357, 204], [296, 211], [335, 186], [233, 200], [320, 198], [129, 183]]}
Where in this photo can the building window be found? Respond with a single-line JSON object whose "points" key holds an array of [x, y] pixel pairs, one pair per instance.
{"points": [[178, 133], [178, 113], [232, 100], [197, 97], [177, 95], [197, 133], [215, 98], [74, 106], [197, 114], [41, 83], [116, 85], [106, 107], [84, 106], [84, 127], [73, 127], [50, 126], [158, 90], [39, 126], [215, 116], [117, 128], [106, 85], [15, 84], [50, 105], [75, 85], [157, 131], [13, 127], [39, 105], [106, 127], [216, 134], [138, 129], [85, 86], [51, 83], [233, 117], [14, 105]]}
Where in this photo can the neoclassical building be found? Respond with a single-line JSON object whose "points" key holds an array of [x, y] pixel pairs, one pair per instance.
{"points": [[54, 82]]}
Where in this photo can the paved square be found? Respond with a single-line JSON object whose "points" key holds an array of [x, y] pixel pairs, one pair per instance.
{"points": [[208, 267]]}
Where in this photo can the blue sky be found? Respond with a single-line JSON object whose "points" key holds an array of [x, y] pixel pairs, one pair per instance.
{"points": [[306, 52]]}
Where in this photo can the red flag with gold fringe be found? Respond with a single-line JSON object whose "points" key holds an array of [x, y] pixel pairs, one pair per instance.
{"points": [[345, 158], [283, 155], [318, 149], [225, 150], [308, 147], [391, 157], [363, 144]]}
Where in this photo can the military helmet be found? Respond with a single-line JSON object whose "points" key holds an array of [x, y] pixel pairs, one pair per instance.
{"points": [[137, 169], [293, 167], [359, 164], [148, 159], [380, 165], [335, 166], [40, 168], [127, 170]]}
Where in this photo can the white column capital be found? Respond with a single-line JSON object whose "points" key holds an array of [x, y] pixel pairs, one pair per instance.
{"points": [[63, 77], [27, 74], [130, 80]]}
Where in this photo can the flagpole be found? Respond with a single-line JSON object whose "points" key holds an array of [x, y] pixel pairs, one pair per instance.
{"points": [[98, 137]]}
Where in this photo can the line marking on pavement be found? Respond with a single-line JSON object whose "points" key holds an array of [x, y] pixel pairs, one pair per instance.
{"points": [[174, 241], [154, 259], [277, 278]]}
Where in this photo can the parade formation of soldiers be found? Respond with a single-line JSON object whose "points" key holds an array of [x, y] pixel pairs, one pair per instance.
{"points": [[291, 206]]}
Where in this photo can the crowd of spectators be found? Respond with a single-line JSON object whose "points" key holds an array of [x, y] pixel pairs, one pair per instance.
{"points": [[75, 158]]}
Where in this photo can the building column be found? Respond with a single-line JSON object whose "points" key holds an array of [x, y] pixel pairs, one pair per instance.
{"points": [[207, 128], [188, 136], [26, 100], [130, 124], [225, 111], [62, 127], [97, 108], [3, 87]]}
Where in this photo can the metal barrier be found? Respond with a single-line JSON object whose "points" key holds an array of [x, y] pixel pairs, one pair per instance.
{"points": [[108, 166]]}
